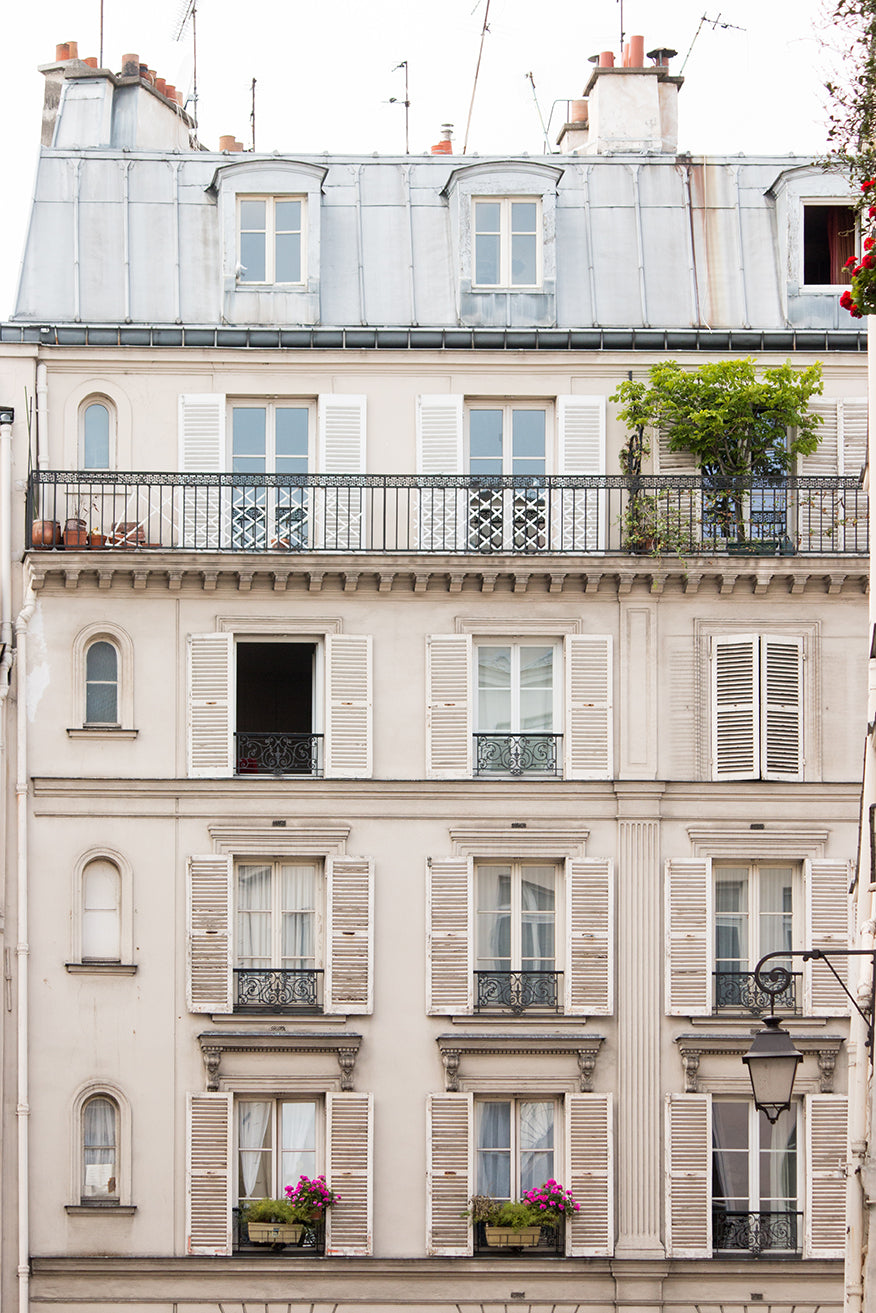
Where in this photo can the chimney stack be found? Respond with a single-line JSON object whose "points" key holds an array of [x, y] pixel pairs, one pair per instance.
{"points": [[445, 145], [631, 110]]}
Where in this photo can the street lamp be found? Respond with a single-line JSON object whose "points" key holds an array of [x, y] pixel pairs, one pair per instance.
{"points": [[772, 1060]]}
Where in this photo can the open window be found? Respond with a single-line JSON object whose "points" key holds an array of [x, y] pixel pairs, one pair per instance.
{"points": [[275, 732], [829, 240]]}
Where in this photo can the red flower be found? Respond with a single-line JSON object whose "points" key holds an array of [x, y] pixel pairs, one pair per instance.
{"points": [[868, 261], [846, 299], [865, 186], [868, 243], [850, 263], [855, 313], [872, 212]]}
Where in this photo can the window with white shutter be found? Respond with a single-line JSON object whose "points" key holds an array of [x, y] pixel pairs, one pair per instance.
{"points": [[348, 706], [341, 512], [209, 903], [449, 978], [827, 1156], [208, 1174], [589, 981], [441, 510], [349, 1157], [828, 515], [201, 451], [448, 711], [589, 1174], [688, 923], [589, 739], [578, 521], [210, 705], [688, 1176], [828, 925], [757, 707], [449, 1146], [757, 910], [350, 934]]}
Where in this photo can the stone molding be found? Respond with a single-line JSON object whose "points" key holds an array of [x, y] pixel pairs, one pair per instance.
{"points": [[345, 1046], [691, 1048], [585, 1050]]}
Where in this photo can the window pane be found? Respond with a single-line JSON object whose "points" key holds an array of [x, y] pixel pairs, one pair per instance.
{"points": [[254, 916], [99, 1150], [778, 1162], [523, 260], [485, 441], [96, 437], [248, 431], [252, 257], [537, 901], [524, 216], [287, 247], [291, 432], [287, 216], [494, 1150], [254, 1149], [252, 215], [494, 690], [101, 892], [101, 662], [776, 887], [731, 920], [536, 1144], [101, 704], [494, 918], [730, 1173], [487, 260], [528, 440], [536, 690], [298, 1135]]}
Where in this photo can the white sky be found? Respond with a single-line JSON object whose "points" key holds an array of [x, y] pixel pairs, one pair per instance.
{"points": [[324, 73]]}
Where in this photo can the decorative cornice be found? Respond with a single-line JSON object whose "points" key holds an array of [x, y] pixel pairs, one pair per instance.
{"points": [[692, 1048], [572, 576], [773, 839], [585, 1049], [345, 1046], [259, 836]]}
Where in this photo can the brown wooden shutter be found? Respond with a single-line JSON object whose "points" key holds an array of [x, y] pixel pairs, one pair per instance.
{"points": [[208, 1173], [209, 905], [210, 704], [781, 707], [348, 706], [589, 1174], [827, 1154], [735, 719], [448, 714], [827, 926], [449, 951], [349, 1137], [688, 1176], [589, 730], [590, 938], [349, 960], [689, 937], [448, 1174]]}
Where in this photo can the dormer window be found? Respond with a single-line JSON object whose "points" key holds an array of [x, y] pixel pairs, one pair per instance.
{"points": [[271, 238], [828, 242], [507, 242]]}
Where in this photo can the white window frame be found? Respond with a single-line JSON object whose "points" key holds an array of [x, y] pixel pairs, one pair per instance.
{"points": [[507, 408], [271, 405], [123, 965], [752, 913], [116, 684], [515, 1102], [820, 202], [275, 864], [754, 1148], [124, 647], [121, 1200], [276, 1101], [98, 399], [518, 865], [516, 644], [317, 688], [505, 233], [270, 232]]}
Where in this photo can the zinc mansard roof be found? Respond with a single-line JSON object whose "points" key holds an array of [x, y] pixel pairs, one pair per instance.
{"points": [[628, 241]]}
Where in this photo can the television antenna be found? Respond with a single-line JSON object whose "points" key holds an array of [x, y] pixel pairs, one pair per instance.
{"points": [[189, 10], [715, 22], [394, 100]]}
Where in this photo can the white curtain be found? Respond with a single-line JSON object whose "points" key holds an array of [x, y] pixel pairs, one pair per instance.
{"points": [[494, 918], [536, 1144], [299, 1142], [494, 1150], [254, 1144], [101, 930], [537, 931], [298, 892], [254, 916], [99, 1149]]}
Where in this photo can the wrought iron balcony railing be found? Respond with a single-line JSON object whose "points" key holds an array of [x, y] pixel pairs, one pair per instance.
{"points": [[272, 989], [310, 1242], [549, 1243], [738, 990], [659, 515], [518, 754], [277, 754], [516, 991], [755, 1233]]}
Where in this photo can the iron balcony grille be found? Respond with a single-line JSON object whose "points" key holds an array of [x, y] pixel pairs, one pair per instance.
{"points": [[518, 754], [662, 515], [272, 989], [739, 990], [310, 1243], [756, 1232], [516, 991], [277, 754], [551, 1243]]}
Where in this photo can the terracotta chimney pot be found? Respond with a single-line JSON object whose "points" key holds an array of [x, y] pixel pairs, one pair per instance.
{"points": [[170, 91], [161, 85], [62, 52], [91, 61], [578, 111], [73, 47], [130, 66], [226, 143], [606, 59], [637, 52]]}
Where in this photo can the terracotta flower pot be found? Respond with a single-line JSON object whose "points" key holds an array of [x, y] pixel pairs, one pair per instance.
{"points": [[45, 534], [75, 538]]}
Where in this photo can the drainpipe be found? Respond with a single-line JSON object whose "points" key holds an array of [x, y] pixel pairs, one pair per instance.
{"points": [[7, 415], [42, 414], [22, 951]]}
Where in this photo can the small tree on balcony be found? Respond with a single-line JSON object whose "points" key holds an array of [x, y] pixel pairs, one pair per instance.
{"points": [[738, 424]]}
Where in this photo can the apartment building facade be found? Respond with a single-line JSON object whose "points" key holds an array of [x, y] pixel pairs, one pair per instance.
{"points": [[373, 806]]}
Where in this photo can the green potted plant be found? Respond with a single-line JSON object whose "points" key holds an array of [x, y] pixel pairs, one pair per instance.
{"points": [[518, 1223], [284, 1221], [745, 430]]}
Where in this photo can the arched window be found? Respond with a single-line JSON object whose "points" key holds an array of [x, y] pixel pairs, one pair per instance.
{"points": [[101, 684], [101, 912], [100, 1150], [96, 436]]}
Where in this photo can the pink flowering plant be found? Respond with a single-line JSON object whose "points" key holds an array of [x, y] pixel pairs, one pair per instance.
{"points": [[309, 1199], [545, 1206], [860, 298], [550, 1203]]}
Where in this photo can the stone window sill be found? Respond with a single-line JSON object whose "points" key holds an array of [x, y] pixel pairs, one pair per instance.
{"points": [[102, 732], [100, 1210], [101, 968]]}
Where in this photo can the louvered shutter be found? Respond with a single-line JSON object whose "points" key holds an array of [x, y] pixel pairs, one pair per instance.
{"points": [[827, 1154], [590, 920], [588, 731], [341, 515], [578, 520], [688, 1176], [825, 459], [348, 706], [781, 708], [854, 424], [349, 1157], [210, 705], [735, 720], [448, 1173], [209, 904], [448, 714], [449, 978], [827, 926], [672, 462], [350, 935], [689, 934], [203, 511], [589, 1174], [441, 522], [208, 1173]]}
